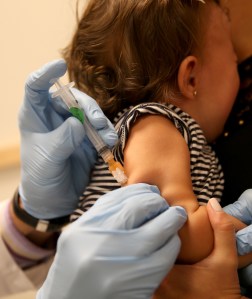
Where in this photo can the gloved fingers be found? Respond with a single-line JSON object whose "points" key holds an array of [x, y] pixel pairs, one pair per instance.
{"points": [[144, 240], [57, 145], [242, 208], [144, 274], [59, 106], [160, 262], [42, 79], [96, 117], [244, 240], [126, 208], [160, 230], [109, 134], [36, 113], [91, 109], [61, 142]]}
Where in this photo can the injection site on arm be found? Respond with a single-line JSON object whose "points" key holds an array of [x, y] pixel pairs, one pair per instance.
{"points": [[64, 92]]}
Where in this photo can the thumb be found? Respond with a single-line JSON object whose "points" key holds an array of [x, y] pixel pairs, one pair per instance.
{"points": [[41, 80], [224, 232], [66, 138]]}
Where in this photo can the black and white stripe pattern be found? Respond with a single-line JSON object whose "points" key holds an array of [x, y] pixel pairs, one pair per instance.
{"points": [[206, 173]]}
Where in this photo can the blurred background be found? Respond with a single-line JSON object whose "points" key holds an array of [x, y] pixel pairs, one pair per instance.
{"points": [[32, 33]]}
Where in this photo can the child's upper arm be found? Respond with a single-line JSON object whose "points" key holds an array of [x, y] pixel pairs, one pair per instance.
{"points": [[156, 153]]}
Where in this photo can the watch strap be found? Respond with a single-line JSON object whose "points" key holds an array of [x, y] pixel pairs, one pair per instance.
{"points": [[42, 225]]}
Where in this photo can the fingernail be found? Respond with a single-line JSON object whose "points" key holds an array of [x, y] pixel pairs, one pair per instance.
{"points": [[215, 204]]}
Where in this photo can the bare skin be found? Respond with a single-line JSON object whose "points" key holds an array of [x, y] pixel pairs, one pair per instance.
{"points": [[186, 279], [240, 13], [163, 159], [208, 278], [174, 183]]}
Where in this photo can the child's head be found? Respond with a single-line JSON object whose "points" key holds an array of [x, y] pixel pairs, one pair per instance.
{"points": [[130, 51]]}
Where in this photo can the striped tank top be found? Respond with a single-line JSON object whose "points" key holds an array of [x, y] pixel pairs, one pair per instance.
{"points": [[206, 174]]}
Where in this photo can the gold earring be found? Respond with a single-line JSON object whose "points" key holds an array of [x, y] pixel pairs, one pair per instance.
{"points": [[195, 93]]}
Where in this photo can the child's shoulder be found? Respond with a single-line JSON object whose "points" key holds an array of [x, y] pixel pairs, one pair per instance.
{"points": [[181, 120]]}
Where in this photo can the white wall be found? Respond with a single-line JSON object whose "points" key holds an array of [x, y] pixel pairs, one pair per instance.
{"points": [[32, 32]]}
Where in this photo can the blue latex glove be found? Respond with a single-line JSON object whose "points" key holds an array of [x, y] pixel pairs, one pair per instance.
{"points": [[56, 158], [122, 247], [242, 209]]}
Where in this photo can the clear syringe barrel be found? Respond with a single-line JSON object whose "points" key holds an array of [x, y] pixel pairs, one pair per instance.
{"points": [[97, 141], [65, 93], [103, 150]]}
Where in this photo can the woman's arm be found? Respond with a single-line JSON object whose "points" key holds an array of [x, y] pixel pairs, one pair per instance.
{"points": [[36, 237]]}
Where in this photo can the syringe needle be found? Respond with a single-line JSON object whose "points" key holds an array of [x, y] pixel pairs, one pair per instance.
{"points": [[103, 150]]}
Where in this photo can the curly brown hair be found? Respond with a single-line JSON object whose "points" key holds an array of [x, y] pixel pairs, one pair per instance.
{"points": [[129, 51]]}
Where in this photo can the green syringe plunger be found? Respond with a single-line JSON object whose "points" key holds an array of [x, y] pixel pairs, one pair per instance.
{"points": [[103, 150]]}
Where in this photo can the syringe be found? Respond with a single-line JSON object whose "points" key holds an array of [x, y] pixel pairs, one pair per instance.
{"points": [[103, 150]]}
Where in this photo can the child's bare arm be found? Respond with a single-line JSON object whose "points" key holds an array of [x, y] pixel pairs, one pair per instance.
{"points": [[157, 154], [196, 237]]}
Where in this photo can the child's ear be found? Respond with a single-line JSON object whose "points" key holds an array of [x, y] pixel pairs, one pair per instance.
{"points": [[187, 82]]}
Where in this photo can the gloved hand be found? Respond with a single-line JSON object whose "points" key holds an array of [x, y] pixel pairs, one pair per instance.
{"points": [[242, 209], [56, 157], [121, 248]]}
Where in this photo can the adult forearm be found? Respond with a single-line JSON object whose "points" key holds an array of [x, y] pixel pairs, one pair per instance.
{"points": [[26, 245], [13, 211], [37, 237]]}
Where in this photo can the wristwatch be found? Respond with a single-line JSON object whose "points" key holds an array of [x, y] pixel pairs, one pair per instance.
{"points": [[42, 225]]}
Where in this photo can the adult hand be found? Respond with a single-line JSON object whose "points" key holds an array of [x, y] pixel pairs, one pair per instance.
{"points": [[121, 248], [214, 277], [56, 158], [242, 209]]}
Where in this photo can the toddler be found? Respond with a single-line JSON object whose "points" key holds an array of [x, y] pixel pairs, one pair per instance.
{"points": [[165, 73]]}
